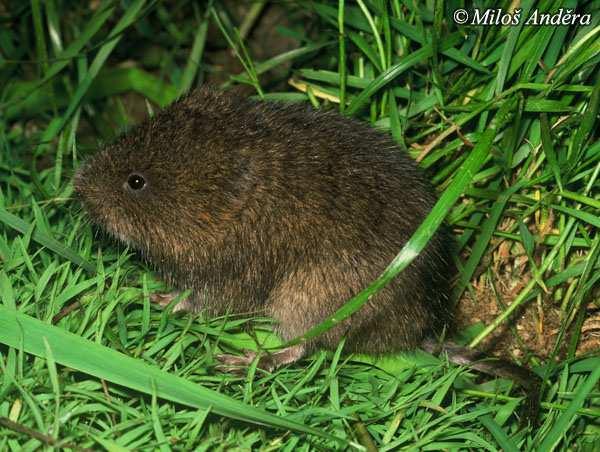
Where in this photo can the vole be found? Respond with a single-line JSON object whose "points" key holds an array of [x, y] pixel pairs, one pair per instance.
{"points": [[276, 209]]}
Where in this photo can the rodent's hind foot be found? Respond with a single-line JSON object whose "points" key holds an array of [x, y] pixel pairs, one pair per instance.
{"points": [[164, 299], [266, 361]]}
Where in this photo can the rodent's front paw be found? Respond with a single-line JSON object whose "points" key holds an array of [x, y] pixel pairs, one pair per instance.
{"points": [[238, 364], [164, 299], [267, 361]]}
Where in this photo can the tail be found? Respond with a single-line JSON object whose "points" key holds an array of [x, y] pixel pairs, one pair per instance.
{"points": [[494, 367]]}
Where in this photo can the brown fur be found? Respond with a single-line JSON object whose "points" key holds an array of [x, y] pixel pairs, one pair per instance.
{"points": [[279, 209]]}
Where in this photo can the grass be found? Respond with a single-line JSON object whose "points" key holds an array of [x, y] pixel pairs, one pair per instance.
{"points": [[505, 121]]}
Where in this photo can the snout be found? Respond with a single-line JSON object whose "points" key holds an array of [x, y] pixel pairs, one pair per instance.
{"points": [[83, 180], [85, 190]]}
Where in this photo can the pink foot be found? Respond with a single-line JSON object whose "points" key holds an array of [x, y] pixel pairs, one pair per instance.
{"points": [[163, 300], [268, 361]]}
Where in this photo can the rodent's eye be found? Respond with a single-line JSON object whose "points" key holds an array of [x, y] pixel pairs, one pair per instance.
{"points": [[136, 181]]}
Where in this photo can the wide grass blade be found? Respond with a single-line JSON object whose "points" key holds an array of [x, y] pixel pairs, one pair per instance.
{"points": [[22, 331]]}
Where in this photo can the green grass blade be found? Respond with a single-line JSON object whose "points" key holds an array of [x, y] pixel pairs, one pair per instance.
{"points": [[65, 57], [127, 20], [567, 418], [17, 329], [548, 147], [40, 36], [7, 294], [342, 55], [582, 215], [46, 240], [193, 63], [394, 71], [509, 49], [499, 434], [587, 124], [290, 55]]}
